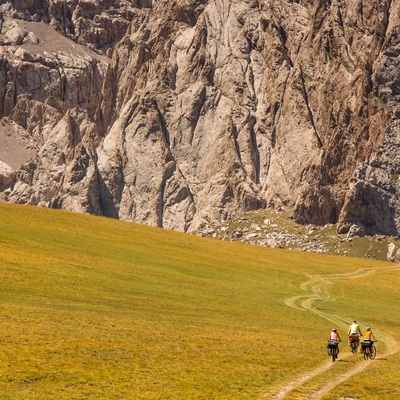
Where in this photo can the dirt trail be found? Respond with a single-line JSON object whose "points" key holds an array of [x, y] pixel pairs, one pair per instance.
{"points": [[317, 286]]}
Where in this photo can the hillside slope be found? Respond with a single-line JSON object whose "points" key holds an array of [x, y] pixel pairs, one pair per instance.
{"points": [[181, 113], [92, 307]]}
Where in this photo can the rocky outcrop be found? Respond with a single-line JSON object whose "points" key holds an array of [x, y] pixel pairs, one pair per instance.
{"points": [[98, 24], [49, 86], [271, 228], [182, 113]]}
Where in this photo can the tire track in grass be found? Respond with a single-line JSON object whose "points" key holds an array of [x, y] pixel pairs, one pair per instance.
{"points": [[392, 347], [317, 286]]}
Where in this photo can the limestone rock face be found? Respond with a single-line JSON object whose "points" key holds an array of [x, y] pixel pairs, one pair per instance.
{"points": [[48, 87], [98, 24], [181, 113]]}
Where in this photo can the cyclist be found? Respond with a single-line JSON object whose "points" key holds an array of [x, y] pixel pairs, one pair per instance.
{"points": [[369, 336], [333, 341], [369, 339], [354, 333]]}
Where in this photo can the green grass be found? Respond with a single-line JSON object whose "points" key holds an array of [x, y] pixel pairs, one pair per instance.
{"points": [[93, 308]]}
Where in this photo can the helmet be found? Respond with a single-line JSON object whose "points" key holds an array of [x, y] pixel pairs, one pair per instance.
{"points": [[334, 329], [368, 329]]}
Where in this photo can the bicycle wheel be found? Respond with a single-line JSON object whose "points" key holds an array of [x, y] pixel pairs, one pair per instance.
{"points": [[372, 353], [353, 347], [366, 353], [334, 354]]}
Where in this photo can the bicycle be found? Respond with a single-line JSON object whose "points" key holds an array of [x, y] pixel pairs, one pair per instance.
{"points": [[333, 349], [354, 343], [369, 350]]}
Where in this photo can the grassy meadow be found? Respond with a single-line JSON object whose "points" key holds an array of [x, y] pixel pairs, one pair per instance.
{"points": [[94, 308]]}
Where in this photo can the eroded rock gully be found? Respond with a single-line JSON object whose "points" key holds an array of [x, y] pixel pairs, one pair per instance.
{"points": [[182, 113]]}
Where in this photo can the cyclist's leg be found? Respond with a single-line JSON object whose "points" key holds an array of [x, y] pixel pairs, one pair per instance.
{"points": [[369, 346], [366, 355], [356, 343]]}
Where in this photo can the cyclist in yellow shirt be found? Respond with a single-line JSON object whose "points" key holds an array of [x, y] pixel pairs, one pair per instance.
{"points": [[369, 339], [369, 335]]}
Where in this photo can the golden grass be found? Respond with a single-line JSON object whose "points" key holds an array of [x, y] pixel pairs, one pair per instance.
{"points": [[98, 308]]}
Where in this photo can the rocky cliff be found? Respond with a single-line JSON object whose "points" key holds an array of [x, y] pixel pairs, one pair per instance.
{"points": [[181, 113]]}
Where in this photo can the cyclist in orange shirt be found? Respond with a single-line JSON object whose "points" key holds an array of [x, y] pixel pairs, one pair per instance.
{"points": [[369, 335], [368, 341]]}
